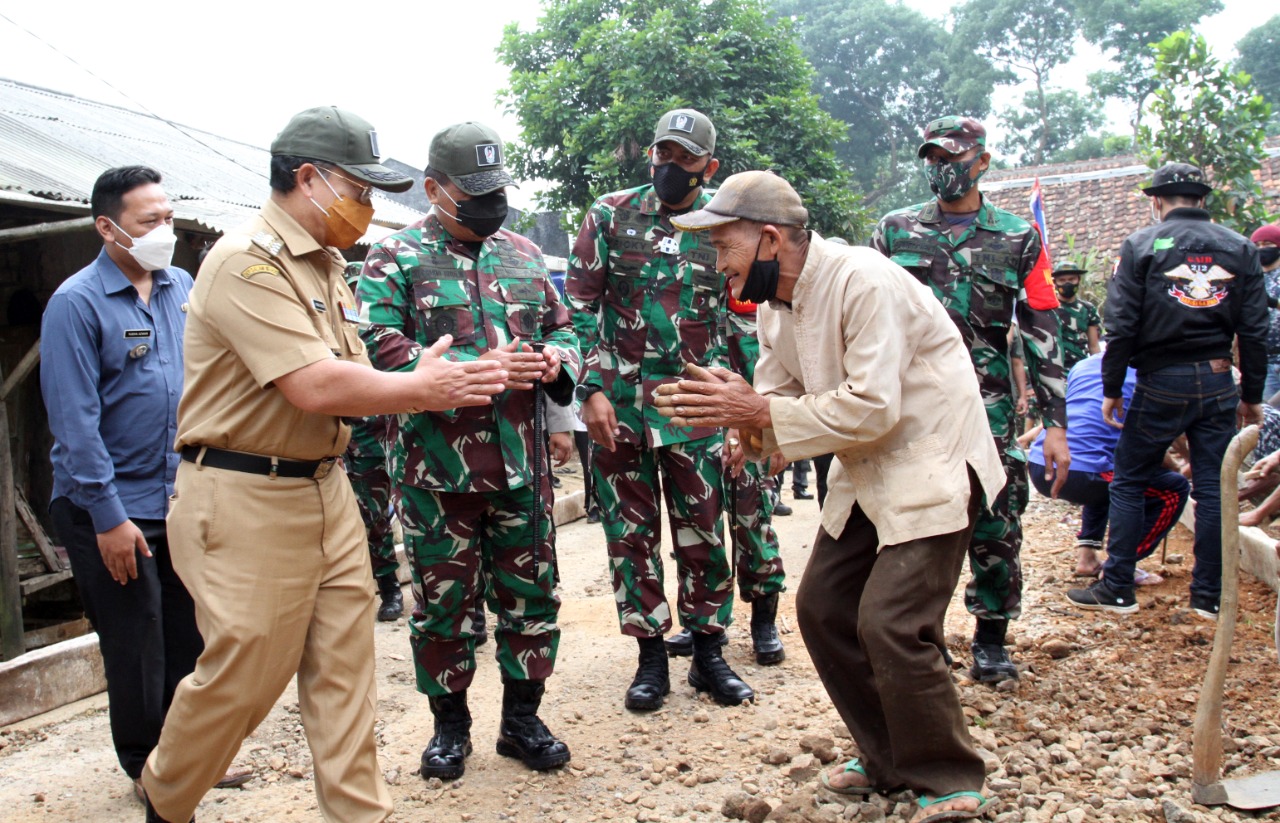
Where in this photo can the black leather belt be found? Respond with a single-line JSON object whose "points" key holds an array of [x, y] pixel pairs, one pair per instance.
{"points": [[258, 464]]}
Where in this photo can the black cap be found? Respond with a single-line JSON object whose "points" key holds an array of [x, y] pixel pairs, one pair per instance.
{"points": [[1178, 179]]}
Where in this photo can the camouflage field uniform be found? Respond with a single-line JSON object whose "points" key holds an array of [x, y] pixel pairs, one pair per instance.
{"points": [[756, 559], [366, 463], [464, 475], [1076, 318], [978, 275], [646, 299]]}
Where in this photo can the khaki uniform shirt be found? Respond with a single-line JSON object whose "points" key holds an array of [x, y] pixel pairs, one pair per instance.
{"points": [[268, 300], [865, 363]]}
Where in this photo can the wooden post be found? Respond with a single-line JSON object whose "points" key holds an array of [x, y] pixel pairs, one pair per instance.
{"points": [[11, 641], [45, 229]]}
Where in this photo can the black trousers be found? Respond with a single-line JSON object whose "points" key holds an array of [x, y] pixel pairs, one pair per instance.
{"points": [[146, 630]]}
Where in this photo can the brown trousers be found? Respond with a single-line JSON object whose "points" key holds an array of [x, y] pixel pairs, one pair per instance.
{"points": [[279, 571], [872, 623]]}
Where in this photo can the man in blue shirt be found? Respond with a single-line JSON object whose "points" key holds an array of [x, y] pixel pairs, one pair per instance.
{"points": [[1093, 443], [111, 374]]}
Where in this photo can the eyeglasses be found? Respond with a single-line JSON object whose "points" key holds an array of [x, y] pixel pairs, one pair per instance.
{"points": [[366, 192]]}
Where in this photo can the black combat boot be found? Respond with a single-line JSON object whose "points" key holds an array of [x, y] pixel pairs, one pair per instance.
{"points": [[522, 734], [481, 630], [680, 644], [709, 673], [392, 607], [764, 631], [445, 756], [652, 681], [991, 661]]}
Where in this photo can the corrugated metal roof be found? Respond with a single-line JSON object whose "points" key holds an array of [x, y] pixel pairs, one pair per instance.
{"points": [[56, 145]]}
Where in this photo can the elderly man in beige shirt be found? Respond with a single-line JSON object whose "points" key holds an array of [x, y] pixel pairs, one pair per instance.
{"points": [[858, 358]]}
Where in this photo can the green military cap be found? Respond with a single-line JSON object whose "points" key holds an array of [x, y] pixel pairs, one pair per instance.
{"points": [[1069, 268], [761, 196], [1177, 178], [688, 127], [339, 137], [471, 155], [953, 134]]}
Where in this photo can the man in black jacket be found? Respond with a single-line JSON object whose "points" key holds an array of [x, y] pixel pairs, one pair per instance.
{"points": [[1184, 291]]}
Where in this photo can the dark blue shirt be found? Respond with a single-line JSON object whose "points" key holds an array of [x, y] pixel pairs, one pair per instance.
{"points": [[1091, 442], [111, 374]]}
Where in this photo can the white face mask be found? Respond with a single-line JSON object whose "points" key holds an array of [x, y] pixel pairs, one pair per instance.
{"points": [[153, 250]]}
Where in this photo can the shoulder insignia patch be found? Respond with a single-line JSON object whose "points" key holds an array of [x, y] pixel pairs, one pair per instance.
{"points": [[261, 268], [268, 242]]}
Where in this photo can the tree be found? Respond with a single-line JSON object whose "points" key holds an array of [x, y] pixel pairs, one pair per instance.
{"points": [[1208, 114], [1260, 56], [1030, 38], [1127, 29], [1047, 123], [880, 67], [1092, 146], [590, 82]]}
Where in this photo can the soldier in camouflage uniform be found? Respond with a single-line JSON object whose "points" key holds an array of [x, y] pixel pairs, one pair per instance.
{"points": [[1081, 325], [751, 492], [465, 478], [366, 463], [646, 299], [980, 260]]}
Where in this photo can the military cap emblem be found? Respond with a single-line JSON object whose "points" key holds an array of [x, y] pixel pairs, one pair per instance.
{"points": [[488, 154], [681, 122]]}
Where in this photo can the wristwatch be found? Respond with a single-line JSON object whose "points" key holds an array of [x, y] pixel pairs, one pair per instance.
{"points": [[583, 392]]}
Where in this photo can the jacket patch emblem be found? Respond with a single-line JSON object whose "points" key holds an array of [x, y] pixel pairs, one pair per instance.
{"points": [[1199, 277]]}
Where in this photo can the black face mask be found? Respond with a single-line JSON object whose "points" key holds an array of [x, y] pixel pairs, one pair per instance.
{"points": [[761, 285], [673, 184], [1269, 255], [482, 215], [1067, 290]]}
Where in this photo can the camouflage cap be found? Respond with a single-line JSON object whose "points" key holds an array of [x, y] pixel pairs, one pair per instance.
{"points": [[761, 196], [1177, 178], [1069, 268], [953, 134], [688, 127], [339, 137], [471, 155]]}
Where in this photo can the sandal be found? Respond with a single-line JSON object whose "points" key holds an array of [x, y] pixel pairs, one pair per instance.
{"points": [[984, 803], [1141, 577], [853, 765]]}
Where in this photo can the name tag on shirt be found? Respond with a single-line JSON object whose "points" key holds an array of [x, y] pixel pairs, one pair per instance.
{"points": [[137, 334], [318, 304]]}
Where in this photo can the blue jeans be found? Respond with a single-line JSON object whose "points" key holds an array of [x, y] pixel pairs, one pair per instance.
{"points": [[1163, 500], [1272, 385], [1188, 398]]}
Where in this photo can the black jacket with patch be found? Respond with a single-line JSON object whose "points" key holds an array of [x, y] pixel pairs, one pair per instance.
{"points": [[1183, 291]]}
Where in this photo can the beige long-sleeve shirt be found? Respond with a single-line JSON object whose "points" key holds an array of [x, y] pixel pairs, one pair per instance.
{"points": [[865, 363]]}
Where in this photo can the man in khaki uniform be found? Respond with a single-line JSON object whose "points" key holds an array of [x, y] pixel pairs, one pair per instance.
{"points": [[263, 531]]}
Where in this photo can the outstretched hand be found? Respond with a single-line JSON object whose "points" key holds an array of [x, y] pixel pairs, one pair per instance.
{"points": [[449, 384], [714, 397]]}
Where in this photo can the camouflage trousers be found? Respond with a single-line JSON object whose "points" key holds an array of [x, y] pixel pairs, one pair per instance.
{"points": [[461, 544], [994, 592], [755, 543], [627, 482], [372, 486]]}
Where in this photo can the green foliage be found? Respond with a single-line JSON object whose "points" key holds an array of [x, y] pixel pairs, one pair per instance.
{"points": [[877, 70], [1126, 30], [591, 81], [1208, 115], [1069, 117], [1099, 263], [1260, 56], [1092, 146], [1031, 39]]}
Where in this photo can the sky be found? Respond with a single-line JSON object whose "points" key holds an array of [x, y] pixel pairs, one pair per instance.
{"points": [[241, 69]]}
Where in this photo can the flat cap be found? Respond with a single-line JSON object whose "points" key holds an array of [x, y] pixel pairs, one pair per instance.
{"points": [[760, 196]]}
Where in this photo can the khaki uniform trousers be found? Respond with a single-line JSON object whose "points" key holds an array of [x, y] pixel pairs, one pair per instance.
{"points": [[279, 571]]}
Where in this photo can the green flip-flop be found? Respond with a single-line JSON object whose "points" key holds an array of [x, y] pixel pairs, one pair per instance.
{"points": [[984, 803], [853, 765]]}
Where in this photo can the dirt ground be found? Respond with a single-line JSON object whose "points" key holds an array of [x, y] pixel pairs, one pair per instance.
{"points": [[1097, 728]]}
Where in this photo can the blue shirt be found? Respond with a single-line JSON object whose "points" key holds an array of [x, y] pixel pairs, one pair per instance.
{"points": [[111, 375], [1090, 440]]}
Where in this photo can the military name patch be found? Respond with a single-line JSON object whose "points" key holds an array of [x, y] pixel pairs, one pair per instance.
{"points": [[261, 268], [488, 154]]}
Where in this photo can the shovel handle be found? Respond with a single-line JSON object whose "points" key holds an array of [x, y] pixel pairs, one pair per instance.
{"points": [[1206, 741]]}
